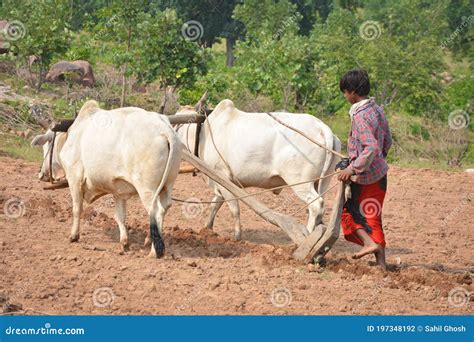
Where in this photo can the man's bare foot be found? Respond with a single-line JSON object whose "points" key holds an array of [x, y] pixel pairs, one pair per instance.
{"points": [[380, 258], [368, 249]]}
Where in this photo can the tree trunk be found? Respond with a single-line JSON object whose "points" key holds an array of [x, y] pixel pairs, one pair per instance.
{"points": [[67, 92], [124, 85], [124, 77], [40, 77], [229, 46], [31, 80]]}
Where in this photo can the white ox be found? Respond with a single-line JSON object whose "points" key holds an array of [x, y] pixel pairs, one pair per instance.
{"points": [[123, 152], [265, 154]]}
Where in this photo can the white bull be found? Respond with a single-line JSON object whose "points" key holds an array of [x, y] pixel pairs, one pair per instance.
{"points": [[265, 154], [122, 152]]}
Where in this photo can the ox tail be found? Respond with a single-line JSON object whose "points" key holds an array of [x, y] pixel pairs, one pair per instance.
{"points": [[155, 231], [333, 143]]}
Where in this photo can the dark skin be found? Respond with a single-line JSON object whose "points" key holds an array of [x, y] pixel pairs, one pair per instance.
{"points": [[351, 97]]}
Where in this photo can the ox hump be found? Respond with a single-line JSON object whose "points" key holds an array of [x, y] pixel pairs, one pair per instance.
{"points": [[88, 108], [225, 106]]}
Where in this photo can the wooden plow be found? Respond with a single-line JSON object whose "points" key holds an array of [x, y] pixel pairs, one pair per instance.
{"points": [[314, 245], [310, 247]]}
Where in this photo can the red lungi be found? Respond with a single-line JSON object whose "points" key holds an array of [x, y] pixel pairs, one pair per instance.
{"points": [[364, 211]]}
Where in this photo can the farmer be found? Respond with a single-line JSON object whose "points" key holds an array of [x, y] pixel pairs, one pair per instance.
{"points": [[368, 145]]}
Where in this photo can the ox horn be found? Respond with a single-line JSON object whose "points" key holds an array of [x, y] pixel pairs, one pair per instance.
{"points": [[202, 101], [161, 109]]}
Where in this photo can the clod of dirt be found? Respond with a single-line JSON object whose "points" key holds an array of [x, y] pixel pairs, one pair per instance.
{"points": [[215, 284], [464, 279], [191, 263]]}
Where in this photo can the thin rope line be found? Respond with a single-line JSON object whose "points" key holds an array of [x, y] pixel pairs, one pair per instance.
{"points": [[319, 196], [304, 135], [259, 192], [218, 152]]}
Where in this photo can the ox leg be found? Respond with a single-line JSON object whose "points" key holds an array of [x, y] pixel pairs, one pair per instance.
{"points": [[120, 215], [234, 208], [77, 199], [146, 197], [214, 207], [162, 206], [157, 213], [307, 193]]}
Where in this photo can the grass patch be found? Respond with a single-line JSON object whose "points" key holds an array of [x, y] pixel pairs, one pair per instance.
{"points": [[17, 147]]}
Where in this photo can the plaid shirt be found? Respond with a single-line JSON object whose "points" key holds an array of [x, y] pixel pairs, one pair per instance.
{"points": [[368, 143]]}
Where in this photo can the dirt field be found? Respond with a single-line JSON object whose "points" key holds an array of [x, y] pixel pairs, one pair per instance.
{"points": [[428, 218]]}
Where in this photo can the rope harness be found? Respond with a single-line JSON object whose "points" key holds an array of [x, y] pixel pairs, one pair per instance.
{"points": [[50, 150]]}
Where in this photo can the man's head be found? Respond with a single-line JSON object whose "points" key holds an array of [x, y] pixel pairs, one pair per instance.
{"points": [[355, 85]]}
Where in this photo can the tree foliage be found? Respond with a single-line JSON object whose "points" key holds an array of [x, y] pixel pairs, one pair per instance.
{"points": [[40, 28]]}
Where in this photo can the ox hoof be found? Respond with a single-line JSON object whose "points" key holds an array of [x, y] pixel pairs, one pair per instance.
{"points": [[74, 238], [157, 251], [238, 236], [154, 255], [125, 247]]}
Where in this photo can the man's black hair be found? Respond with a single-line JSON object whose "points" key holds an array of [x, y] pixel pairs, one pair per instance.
{"points": [[356, 80]]}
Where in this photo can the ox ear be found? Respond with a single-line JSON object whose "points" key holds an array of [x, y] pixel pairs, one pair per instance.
{"points": [[42, 139]]}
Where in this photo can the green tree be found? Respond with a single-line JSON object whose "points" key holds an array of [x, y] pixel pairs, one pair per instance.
{"points": [[118, 24], [312, 11], [37, 28], [215, 19], [162, 53], [460, 17], [274, 60], [397, 43]]}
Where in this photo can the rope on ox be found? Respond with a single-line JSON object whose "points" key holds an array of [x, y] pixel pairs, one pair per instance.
{"points": [[264, 191], [271, 189], [306, 136]]}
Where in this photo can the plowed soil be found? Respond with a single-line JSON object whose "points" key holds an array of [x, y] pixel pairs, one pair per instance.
{"points": [[428, 221]]}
